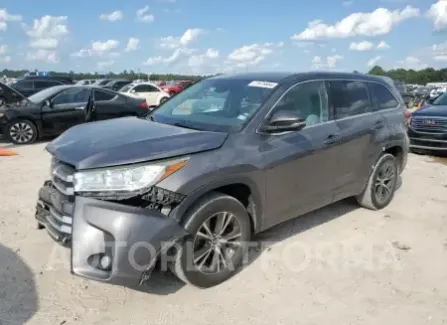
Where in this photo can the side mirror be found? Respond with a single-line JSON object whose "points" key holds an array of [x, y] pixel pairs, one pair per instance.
{"points": [[48, 103], [132, 91], [283, 121]]}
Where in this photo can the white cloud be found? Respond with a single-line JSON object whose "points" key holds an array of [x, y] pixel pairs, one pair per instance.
{"points": [[144, 16], [99, 48], [6, 59], [204, 58], [383, 45], [329, 62], [5, 17], [43, 55], [132, 44], [347, 3], [442, 58], [438, 52], [47, 32], [411, 62], [113, 16], [249, 55], [172, 42], [44, 43], [49, 27], [3, 49], [379, 22], [174, 57], [104, 64], [438, 13], [374, 61], [361, 46], [190, 35]]}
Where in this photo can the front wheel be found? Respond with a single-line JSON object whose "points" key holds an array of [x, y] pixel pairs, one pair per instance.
{"points": [[219, 226], [21, 132], [379, 190]]}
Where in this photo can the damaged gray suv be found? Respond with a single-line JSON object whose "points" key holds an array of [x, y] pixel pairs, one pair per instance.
{"points": [[221, 161]]}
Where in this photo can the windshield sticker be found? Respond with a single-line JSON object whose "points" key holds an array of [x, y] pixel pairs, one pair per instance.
{"points": [[263, 84], [242, 117]]}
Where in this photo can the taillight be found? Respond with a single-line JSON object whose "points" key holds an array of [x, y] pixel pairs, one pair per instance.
{"points": [[407, 115], [143, 105]]}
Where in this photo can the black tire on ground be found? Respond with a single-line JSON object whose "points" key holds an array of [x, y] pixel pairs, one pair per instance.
{"points": [[187, 256], [385, 172], [21, 131], [172, 93], [163, 99]]}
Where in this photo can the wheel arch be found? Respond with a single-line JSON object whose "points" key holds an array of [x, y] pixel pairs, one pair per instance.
{"points": [[243, 189], [37, 124]]}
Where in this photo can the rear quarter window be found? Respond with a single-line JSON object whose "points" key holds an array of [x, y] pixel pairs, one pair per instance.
{"points": [[381, 97]]}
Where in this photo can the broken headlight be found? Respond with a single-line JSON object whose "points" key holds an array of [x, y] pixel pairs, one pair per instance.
{"points": [[126, 178]]}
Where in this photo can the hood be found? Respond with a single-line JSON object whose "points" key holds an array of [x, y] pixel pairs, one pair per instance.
{"points": [[431, 110], [127, 141], [11, 89]]}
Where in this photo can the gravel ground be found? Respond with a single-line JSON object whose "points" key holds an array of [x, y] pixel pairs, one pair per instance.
{"points": [[338, 265]]}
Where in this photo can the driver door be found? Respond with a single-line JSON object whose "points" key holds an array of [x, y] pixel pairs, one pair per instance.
{"points": [[67, 109], [301, 165]]}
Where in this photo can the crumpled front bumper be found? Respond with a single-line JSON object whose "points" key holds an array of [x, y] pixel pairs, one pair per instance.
{"points": [[115, 243]]}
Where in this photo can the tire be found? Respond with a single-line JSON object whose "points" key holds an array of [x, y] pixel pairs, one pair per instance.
{"points": [[172, 93], [204, 273], [21, 131], [370, 198], [162, 100]]}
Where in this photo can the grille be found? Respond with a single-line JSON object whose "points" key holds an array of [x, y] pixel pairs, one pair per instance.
{"points": [[433, 125], [55, 210]]}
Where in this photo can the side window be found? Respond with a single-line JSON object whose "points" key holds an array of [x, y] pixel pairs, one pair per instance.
{"points": [[72, 96], [25, 84], [348, 98], [381, 97], [308, 100], [142, 89], [103, 95], [153, 89]]}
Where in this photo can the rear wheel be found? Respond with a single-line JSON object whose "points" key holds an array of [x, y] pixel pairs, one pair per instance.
{"points": [[381, 185], [163, 99], [21, 132], [219, 226]]}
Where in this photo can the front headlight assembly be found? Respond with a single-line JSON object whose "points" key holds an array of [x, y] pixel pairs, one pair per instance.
{"points": [[126, 178]]}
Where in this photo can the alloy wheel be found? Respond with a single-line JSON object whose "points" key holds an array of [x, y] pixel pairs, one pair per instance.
{"points": [[216, 242], [21, 132], [385, 181]]}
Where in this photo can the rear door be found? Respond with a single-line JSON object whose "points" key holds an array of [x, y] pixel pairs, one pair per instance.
{"points": [[149, 92], [68, 108], [359, 125], [106, 105]]}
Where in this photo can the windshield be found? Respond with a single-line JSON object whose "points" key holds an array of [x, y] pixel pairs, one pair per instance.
{"points": [[222, 105], [44, 94], [441, 100]]}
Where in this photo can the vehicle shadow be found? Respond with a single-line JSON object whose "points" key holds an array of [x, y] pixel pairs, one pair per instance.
{"points": [[18, 295], [5, 144]]}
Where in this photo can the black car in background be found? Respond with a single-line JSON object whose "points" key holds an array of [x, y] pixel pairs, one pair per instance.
{"points": [[428, 126], [9, 95], [117, 84], [56, 109], [31, 85]]}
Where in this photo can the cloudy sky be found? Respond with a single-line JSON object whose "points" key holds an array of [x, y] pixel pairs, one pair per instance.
{"points": [[192, 36]]}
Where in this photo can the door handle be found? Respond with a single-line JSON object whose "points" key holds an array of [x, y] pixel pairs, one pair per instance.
{"points": [[379, 124], [80, 107], [331, 139]]}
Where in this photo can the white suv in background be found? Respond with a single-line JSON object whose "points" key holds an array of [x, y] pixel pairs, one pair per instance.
{"points": [[154, 95]]}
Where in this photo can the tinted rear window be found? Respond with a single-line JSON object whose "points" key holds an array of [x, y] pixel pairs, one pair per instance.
{"points": [[381, 97], [348, 98]]}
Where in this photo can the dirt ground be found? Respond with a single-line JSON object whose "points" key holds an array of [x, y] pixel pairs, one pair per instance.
{"points": [[339, 265]]}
